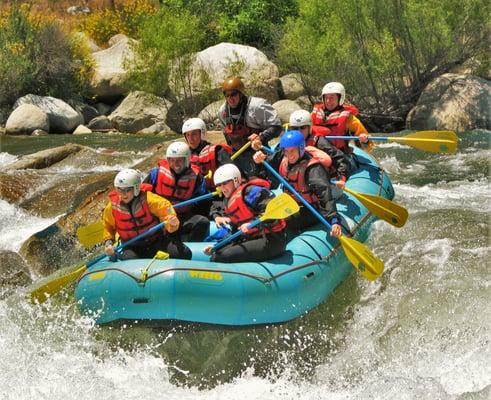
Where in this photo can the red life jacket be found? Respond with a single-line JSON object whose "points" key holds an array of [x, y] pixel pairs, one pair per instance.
{"points": [[206, 161], [174, 190], [236, 131], [295, 174], [336, 121], [130, 222], [239, 212]]}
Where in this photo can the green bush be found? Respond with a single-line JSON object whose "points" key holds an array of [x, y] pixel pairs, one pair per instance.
{"points": [[383, 54], [37, 57], [127, 19], [164, 55], [258, 23]]}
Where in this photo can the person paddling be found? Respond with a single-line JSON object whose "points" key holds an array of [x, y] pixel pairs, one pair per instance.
{"points": [[340, 168], [177, 180], [334, 117], [206, 156], [246, 118], [133, 209], [306, 169], [243, 202]]}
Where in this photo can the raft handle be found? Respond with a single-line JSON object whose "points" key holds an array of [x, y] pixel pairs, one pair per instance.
{"points": [[141, 300], [309, 275]]}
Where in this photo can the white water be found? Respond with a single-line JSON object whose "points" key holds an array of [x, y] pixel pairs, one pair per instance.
{"points": [[421, 332], [16, 225]]}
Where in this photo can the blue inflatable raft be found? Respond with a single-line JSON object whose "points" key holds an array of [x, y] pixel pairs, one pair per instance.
{"points": [[248, 293]]}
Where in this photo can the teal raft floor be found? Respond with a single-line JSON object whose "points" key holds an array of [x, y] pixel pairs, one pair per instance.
{"points": [[249, 293]]}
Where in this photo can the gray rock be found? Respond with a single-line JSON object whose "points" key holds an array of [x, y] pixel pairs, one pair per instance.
{"points": [[110, 71], [100, 123], [260, 75], [285, 108], [116, 39], [453, 102], [25, 119], [81, 130], [292, 86], [155, 129], [209, 114], [103, 109], [138, 111], [39, 132], [62, 117], [45, 158], [88, 112], [13, 269]]}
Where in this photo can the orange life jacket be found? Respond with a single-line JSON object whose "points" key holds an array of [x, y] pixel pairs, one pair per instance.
{"points": [[336, 121], [295, 174], [133, 219], [176, 190], [239, 212], [206, 161]]}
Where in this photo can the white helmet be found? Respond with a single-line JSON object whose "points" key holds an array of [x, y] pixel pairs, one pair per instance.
{"points": [[193, 124], [300, 118], [227, 172], [335, 87], [177, 150], [128, 178]]}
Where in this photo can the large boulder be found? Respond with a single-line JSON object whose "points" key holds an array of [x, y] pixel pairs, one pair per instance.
{"points": [[260, 75], [209, 114], [140, 110], [45, 158], [62, 117], [453, 102], [25, 119], [292, 86], [285, 108], [110, 70]]}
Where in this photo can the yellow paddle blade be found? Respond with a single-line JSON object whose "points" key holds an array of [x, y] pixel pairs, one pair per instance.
{"points": [[90, 235], [282, 206], [383, 208], [52, 285], [432, 141], [240, 151], [369, 265]]}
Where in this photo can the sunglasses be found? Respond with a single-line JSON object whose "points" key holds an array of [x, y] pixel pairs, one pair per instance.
{"points": [[124, 190], [231, 94], [304, 127]]}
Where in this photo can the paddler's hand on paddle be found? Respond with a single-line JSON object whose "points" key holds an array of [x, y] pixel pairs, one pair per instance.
{"points": [[340, 183], [363, 138], [259, 157], [222, 222], [244, 228], [255, 140], [336, 230], [171, 223], [109, 248], [207, 250]]}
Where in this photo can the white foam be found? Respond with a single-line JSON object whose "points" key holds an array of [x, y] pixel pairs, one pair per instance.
{"points": [[16, 225], [6, 159]]}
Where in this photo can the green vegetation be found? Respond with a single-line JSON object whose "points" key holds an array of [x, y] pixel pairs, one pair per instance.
{"points": [[384, 52], [37, 57]]}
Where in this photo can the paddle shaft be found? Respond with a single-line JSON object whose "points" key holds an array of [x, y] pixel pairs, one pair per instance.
{"points": [[297, 195], [232, 237]]}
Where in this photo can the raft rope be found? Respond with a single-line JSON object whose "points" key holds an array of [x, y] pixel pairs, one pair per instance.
{"points": [[144, 277]]}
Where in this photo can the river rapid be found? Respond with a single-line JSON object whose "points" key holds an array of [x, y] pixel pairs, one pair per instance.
{"points": [[422, 331]]}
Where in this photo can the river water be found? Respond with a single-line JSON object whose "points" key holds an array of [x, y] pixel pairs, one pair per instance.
{"points": [[420, 332]]}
